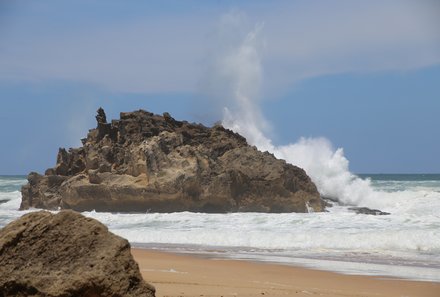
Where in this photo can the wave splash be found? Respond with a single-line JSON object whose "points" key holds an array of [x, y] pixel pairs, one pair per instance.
{"points": [[240, 68], [326, 166]]}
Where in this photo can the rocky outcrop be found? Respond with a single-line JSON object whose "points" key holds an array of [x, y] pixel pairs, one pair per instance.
{"points": [[66, 254], [146, 162], [368, 211]]}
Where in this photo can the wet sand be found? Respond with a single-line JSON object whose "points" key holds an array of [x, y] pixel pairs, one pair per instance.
{"points": [[183, 275]]}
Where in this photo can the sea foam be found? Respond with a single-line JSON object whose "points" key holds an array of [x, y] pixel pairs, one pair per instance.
{"points": [[407, 237]]}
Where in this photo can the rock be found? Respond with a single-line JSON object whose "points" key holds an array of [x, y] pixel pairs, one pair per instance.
{"points": [[66, 254], [146, 162], [101, 118], [329, 201], [368, 211]]}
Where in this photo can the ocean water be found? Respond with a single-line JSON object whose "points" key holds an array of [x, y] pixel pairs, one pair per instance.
{"points": [[404, 244]]}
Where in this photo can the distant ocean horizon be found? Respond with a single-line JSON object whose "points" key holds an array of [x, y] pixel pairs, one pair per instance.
{"points": [[400, 176], [404, 244]]}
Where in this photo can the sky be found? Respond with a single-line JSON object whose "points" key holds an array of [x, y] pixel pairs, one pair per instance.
{"points": [[363, 74]]}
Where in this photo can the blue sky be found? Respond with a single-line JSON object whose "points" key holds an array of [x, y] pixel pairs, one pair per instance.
{"points": [[364, 74]]}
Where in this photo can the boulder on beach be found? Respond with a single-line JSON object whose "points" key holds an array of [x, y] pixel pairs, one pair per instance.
{"points": [[146, 162], [66, 254]]}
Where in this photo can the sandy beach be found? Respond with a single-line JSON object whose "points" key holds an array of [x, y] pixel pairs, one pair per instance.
{"points": [[183, 275]]}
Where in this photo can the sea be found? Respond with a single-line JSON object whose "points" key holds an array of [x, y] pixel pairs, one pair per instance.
{"points": [[403, 244]]}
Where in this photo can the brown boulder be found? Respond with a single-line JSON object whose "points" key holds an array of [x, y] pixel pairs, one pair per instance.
{"points": [[147, 162], [66, 254]]}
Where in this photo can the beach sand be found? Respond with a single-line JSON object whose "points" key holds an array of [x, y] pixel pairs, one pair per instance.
{"points": [[183, 275]]}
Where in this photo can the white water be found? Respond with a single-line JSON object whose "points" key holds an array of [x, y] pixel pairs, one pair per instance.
{"points": [[403, 244]]}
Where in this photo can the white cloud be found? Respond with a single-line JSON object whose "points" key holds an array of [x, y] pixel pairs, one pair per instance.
{"points": [[303, 39], [135, 57], [354, 36]]}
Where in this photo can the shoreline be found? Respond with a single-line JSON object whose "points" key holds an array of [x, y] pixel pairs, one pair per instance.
{"points": [[187, 275], [354, 264]]}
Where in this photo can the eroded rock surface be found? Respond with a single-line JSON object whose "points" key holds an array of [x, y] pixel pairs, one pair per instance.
{"points": [[146, 162], [66, 254]]}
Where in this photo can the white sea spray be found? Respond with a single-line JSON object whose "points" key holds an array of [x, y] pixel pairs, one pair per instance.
{"points": [[235, 76]]}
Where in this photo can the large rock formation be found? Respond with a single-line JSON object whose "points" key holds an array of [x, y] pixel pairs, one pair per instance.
{"points": [[66, 254], [146, 162]]}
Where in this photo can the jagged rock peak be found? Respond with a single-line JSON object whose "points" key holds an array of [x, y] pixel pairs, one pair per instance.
{"points": [[101, 118]]}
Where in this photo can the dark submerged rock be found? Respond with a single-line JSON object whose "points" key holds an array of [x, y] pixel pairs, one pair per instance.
{"points": [[147, 162], [368, 211], [66, 254]]}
